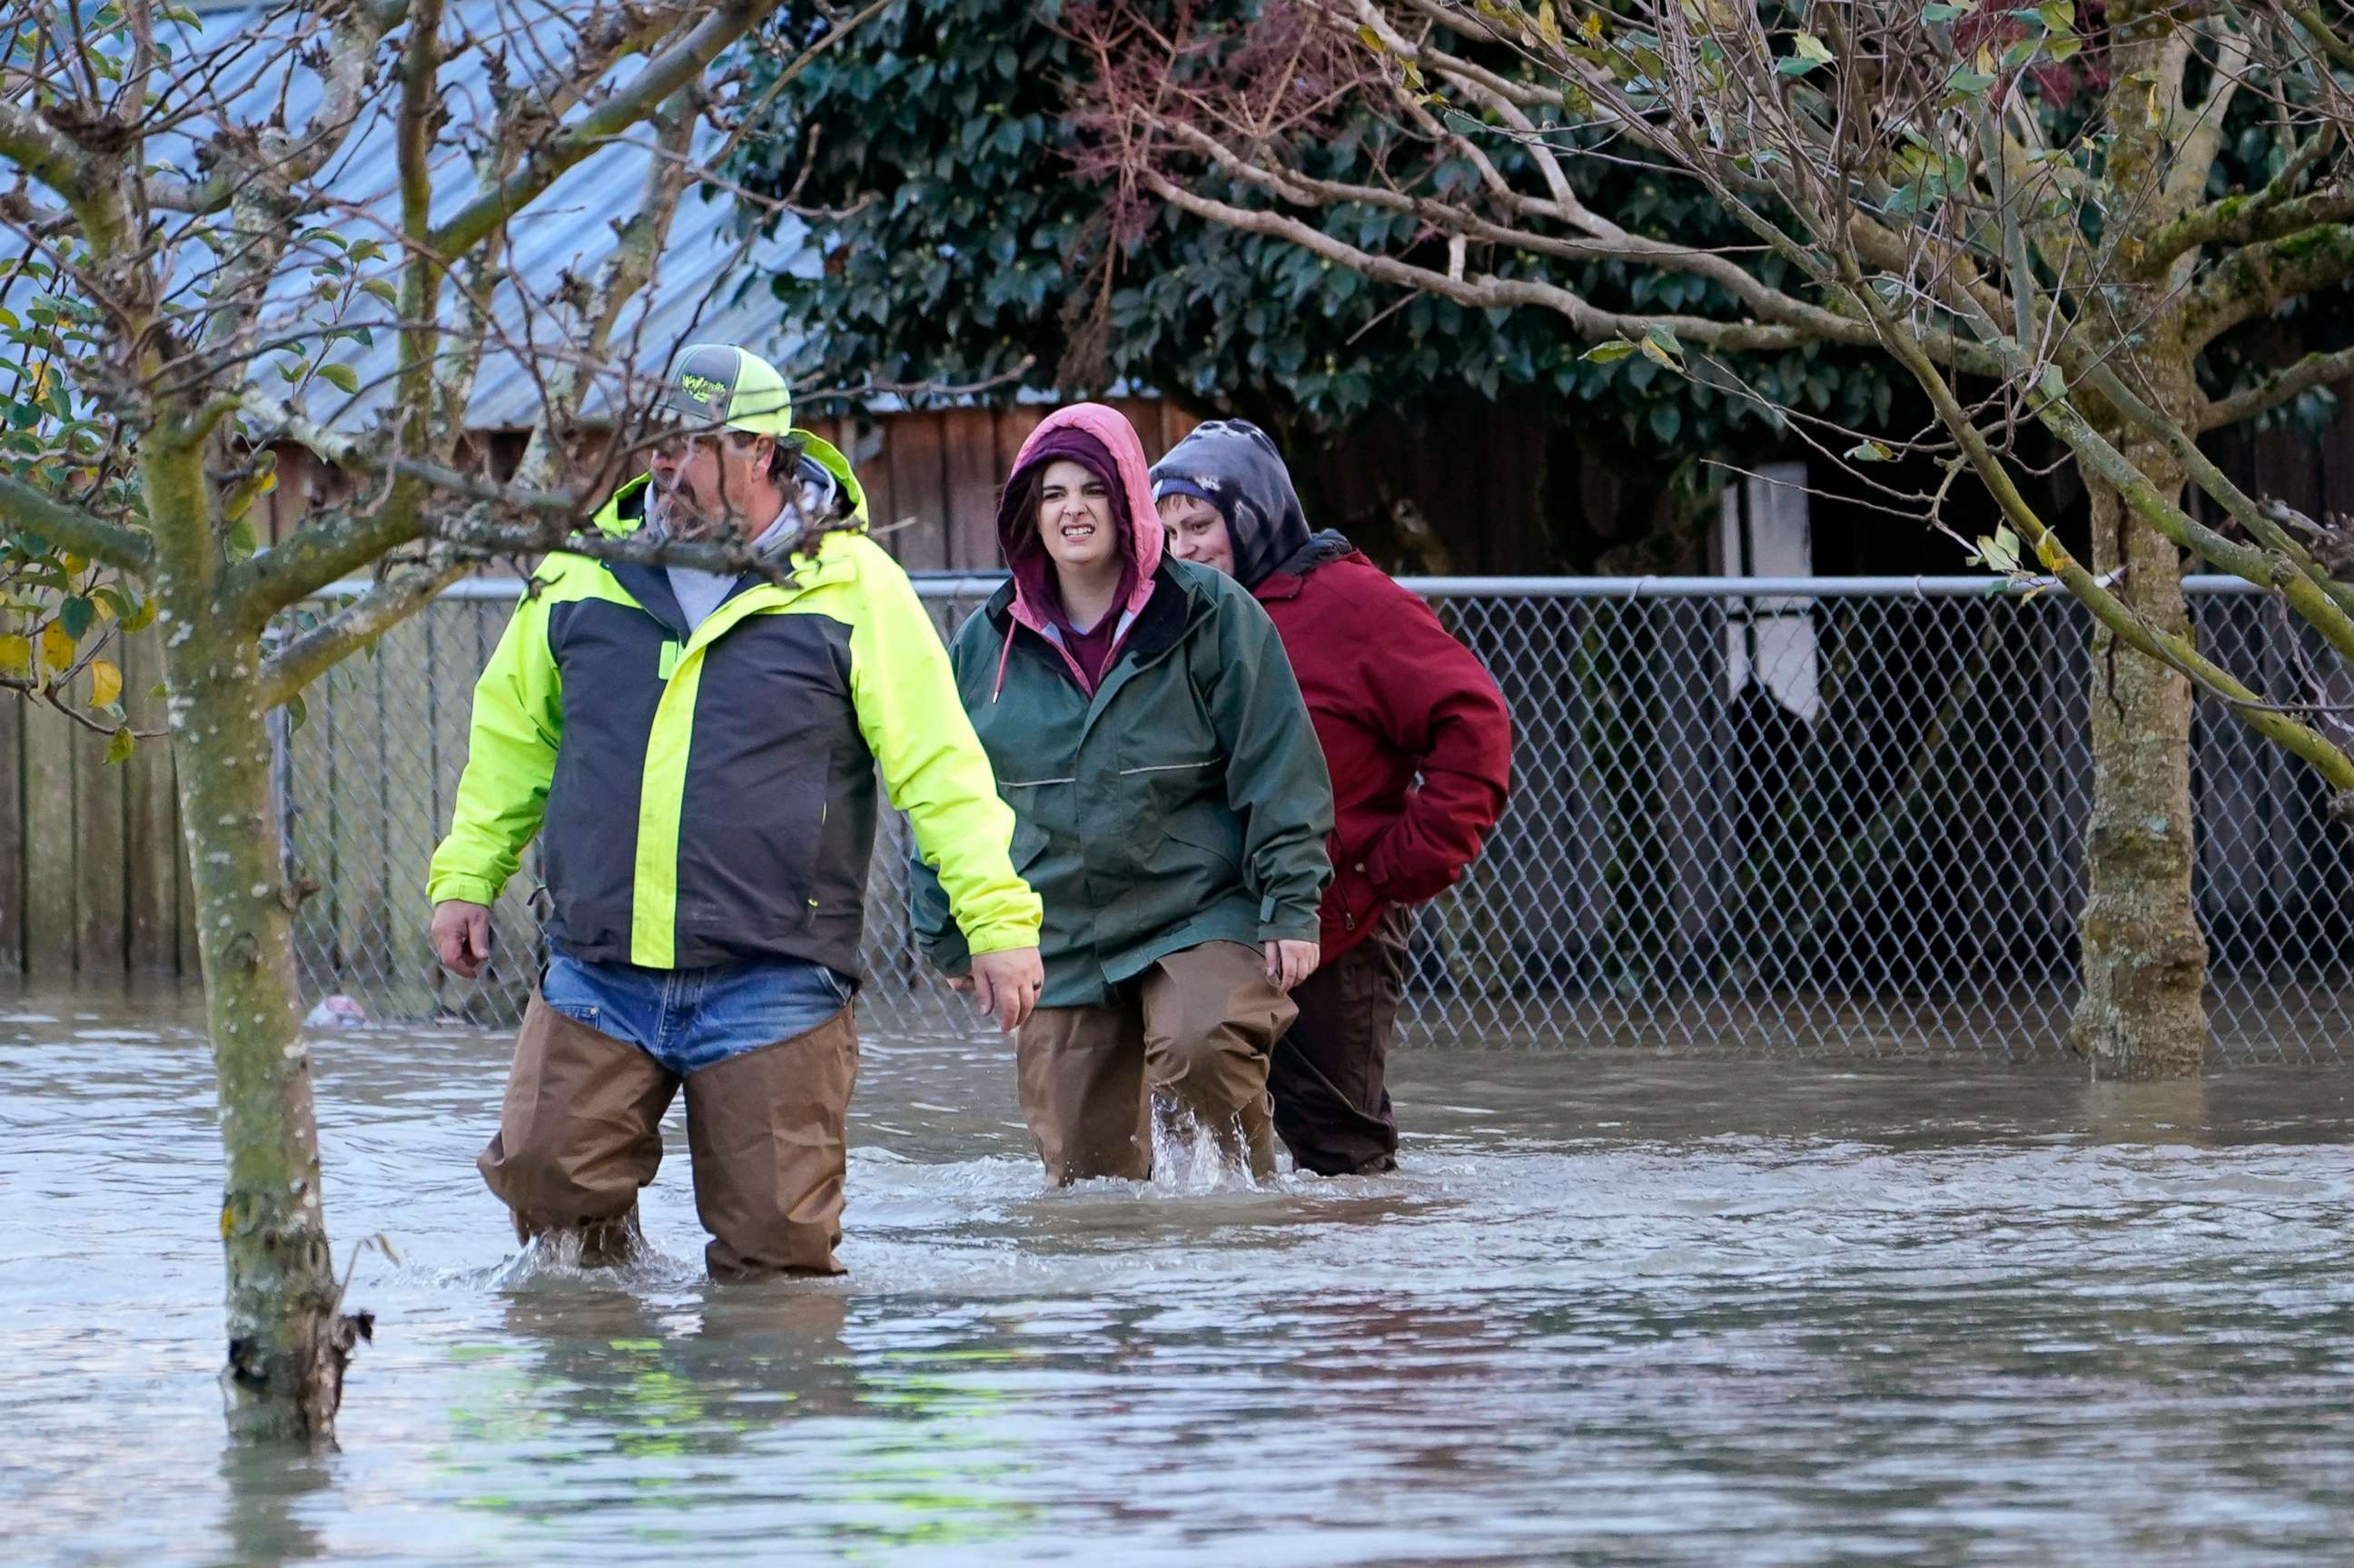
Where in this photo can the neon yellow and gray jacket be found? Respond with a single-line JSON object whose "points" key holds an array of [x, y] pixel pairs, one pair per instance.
{"points": [[708, 795]]}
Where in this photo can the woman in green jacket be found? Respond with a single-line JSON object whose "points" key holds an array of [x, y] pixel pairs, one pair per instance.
{"points": [[1171, 807]]}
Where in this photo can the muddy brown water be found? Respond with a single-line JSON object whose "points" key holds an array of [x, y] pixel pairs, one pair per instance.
{"points": [[1616, 1309]]}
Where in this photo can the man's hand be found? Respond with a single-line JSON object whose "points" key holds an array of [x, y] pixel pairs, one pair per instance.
{"points": [[1006, 984], [1289, 963], [462, 936]]}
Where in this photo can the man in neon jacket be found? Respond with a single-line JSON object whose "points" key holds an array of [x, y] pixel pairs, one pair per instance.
{"points": [[1417, 742], [698, 753]]}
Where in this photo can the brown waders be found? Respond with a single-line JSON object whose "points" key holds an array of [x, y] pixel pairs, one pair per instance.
{"points": [[1193, 1032], [1328, 1073], [580, 1133]]}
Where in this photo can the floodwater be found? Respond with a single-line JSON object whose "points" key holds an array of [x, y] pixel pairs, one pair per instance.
{"points": [[1616, 1309]]}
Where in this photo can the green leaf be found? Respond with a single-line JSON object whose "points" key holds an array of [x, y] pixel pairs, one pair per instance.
{"points": [[342, 376], [2058, 15], [1813, 47], [1609, 352], [2052, 384], [1868, 452], [297, 710], [1968, 84], [120, 749], [75, 615], [1794, 65], [2000, 552], [1941, 13], [382, 290], [2019, 53]]}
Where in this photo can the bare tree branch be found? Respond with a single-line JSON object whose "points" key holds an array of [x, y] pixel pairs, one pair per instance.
{"points": [[2315, 370], [2251, 220], [2256, 281], [35, 511], [45, 153], [682, 63], [401, 593], [1484, 291]]}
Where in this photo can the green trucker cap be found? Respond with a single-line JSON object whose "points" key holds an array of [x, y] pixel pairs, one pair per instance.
{"points": [[717, 383]]}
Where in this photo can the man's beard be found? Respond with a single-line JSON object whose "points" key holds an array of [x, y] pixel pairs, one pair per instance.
{"points": [[683, 521]]}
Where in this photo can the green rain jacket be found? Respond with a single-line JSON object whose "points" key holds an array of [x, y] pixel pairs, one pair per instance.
{"points": [[1184, 801], [708, 795]]}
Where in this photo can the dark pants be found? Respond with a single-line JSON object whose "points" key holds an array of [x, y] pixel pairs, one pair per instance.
{"points": [[1331, 1106]]}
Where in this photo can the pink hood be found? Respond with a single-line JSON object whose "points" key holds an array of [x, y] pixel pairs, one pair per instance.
{"points": [[1146, 537]]}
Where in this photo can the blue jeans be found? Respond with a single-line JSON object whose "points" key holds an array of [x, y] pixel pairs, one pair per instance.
{"points": [[691, 1019]]}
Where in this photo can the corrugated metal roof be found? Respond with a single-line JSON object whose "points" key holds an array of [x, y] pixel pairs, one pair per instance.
{"points": [[708, 285]]}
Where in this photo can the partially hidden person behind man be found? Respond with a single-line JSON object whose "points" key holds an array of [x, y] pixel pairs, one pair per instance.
{"points": [[1171, 809], [1419, 746], [697, 752]]}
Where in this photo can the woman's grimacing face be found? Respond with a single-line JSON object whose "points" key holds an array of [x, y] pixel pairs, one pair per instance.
{"points": [[1197, 533], [1074, 518]]}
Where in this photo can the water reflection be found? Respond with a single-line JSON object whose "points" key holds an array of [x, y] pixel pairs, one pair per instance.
{"points": [[1612, 1311], [264, 1498]]}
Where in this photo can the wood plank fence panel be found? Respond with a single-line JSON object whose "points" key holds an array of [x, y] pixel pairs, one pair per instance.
{"points": [[1014, 428], [48, 838], [919, 492], [973, 479], [98, 845], [12, 833], [151, 843]]}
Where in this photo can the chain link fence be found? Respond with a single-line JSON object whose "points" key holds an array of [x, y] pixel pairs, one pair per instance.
{"points": [[1819, 815]]}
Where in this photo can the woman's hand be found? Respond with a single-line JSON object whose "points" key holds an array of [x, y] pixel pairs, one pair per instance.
{"points": [[1289, 963], [1006, 984]]}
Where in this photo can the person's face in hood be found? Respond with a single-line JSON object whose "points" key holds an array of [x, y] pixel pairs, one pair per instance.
{"points": [[1230, 467], [1197, 533], [1075, 520]]}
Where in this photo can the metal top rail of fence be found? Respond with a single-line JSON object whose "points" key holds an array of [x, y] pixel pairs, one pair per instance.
{"points": [[1760, 814], [978, 586]]}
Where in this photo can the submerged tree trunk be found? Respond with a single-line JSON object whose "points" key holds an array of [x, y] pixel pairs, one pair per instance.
{"points": [[2142, 1013], [287, 1345]]}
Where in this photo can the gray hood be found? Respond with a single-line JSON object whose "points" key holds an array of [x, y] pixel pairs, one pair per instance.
{"points": [[1232, 465]]}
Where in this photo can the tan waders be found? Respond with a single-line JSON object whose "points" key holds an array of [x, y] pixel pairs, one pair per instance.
{"points": [[580, 1133], [1193, 1033]]}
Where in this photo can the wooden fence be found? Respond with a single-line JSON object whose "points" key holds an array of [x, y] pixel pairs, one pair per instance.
{"points": [[91, 879]]}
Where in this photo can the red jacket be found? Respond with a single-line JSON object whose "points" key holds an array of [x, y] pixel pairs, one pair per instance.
{"points": [[1392, 695]]}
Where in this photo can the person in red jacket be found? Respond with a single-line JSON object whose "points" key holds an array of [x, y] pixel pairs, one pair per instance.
{"points": [[1394, 699]]}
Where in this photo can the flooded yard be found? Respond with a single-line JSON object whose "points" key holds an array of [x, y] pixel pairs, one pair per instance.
{"points": [[1616, 1308]]}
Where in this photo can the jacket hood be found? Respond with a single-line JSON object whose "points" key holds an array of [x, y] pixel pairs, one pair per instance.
{"points": [[1112, 431], [1108, 429], [1232, 465]]}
